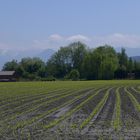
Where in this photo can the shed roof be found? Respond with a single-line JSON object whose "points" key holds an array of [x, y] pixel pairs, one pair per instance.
{"points": [[7, 72]]}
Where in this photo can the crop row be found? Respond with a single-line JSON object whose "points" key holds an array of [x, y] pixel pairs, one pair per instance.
{"points": [[43, 104], [86, 108]]}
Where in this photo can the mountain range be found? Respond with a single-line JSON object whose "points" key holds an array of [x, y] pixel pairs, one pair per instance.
{"points": [[136, 58], [9, 55]]}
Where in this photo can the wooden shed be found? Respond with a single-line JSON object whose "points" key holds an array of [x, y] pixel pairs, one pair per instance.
{"points": [[6, 76], [131, 75]]}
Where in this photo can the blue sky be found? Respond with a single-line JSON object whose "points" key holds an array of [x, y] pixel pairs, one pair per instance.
{"points": [[27, 25]]}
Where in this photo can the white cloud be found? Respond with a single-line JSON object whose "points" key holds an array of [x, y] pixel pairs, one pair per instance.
{"points": [[36, 42], [54, 41], [3, 52], [4, 46], [78, 38], [117, 40], [55, 37]]}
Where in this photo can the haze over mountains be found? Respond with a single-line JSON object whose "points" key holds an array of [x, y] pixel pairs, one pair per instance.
{"points": [[136, 58], [10, 55]]}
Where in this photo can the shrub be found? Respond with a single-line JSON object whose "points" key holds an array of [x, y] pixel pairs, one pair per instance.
{"points": [[74, 75]]}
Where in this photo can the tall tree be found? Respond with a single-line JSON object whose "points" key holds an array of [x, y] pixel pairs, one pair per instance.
{"points": [[106, 62], [88, 66], [121, 72], [100, 63], [11, 65], [66, 59], [130, 65]]}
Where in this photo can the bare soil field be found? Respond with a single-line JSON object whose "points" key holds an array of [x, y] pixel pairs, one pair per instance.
{"points": [[81, 110]]}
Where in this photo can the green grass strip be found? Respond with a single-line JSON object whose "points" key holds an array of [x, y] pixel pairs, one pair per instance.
{"points": [[96, 110], [134, 100], [117, 120], [136, 90]]}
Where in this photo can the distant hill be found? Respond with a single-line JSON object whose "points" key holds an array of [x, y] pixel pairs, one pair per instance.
{"points": [[137, 58], [8, 56], [130, 51]]}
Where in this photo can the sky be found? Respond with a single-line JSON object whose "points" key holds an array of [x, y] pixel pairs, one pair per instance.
{"points": [[35, 25]]}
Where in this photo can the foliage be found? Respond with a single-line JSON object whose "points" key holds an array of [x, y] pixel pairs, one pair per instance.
{"points": [[77, 61], [9, 66], [74, 75], [106, 62], [66, 59], [28, 68]]}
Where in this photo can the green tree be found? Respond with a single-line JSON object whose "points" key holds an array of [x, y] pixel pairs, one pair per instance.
{"points": [[105, 62], [66, 59], [123, 58], [121, 72], [9, 66], [74, 75], [100, 63], [137, 69], [79, 51], [88, 66], [32, 68], [32, 65], [130, 65]]}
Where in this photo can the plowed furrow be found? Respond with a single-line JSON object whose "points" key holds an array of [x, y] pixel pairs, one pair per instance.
{"points": [[135, 93], [23, 108], [104, 118], [82, 113], [22, 100], [130, 118]]}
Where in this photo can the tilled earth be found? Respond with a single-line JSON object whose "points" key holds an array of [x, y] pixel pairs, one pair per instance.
{"points": [[58, 115]]}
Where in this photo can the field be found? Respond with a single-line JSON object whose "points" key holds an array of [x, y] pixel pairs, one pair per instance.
{"points": [[78, 110]]}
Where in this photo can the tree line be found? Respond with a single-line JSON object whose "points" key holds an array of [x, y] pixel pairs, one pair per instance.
{"points": [[78, 61]]}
